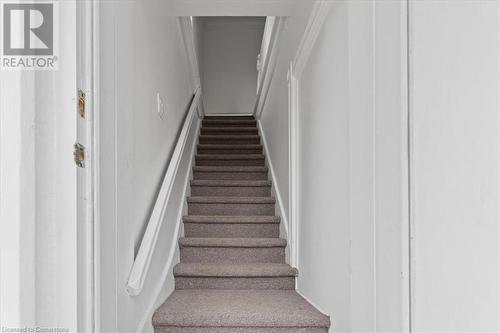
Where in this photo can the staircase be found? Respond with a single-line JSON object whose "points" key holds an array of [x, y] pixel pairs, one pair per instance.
{"points": [[232, 275]]}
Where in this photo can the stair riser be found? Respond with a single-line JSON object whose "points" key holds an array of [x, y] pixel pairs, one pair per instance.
{"points": [[230, 191], [197, 208], [276, 283], [236, 230], [232, 141], [230, 175], [176, 329], [229, 131], [230, 151], [229, 124], [232, 162], [232, 254], [229, 117]]}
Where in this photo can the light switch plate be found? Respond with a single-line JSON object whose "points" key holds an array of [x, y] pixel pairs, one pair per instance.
{"points": [[160, 106]]}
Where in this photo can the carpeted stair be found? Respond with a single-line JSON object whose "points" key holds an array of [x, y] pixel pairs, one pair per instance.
{"points": [[232, 275]]}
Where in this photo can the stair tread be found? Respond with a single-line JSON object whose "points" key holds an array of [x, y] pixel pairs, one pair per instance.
{"points": [[247, 200], [231, 183], [230, 219], [238, 308], [230, 156], [231, 242], [234, 270], [229, 168]]}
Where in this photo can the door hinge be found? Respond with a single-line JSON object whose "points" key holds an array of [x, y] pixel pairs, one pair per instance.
{"points": [[81, 103], [79, 155]]}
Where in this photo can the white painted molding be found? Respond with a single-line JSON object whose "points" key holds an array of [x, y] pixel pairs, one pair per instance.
{"points": [[316, 20], [86, 183], [96, 79], [142, 262], [293, 166], [190, 48], [170, 258], [275, 188], [268, 66]]}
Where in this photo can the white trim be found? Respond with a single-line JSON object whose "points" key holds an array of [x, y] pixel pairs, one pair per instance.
{"points": [[293, 166], [170, 258], [411, 172], [316, 20], [142, 262], [275, 188], [498, 212], [186, 27], [268, 67], [86, 185], [96, 165]]}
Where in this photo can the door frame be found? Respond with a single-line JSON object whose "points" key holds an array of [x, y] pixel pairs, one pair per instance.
{"points": [[87, 79]]}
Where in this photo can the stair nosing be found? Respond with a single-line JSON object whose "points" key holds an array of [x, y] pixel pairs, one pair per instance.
{"points": [[230, 270], [230, 129], [226, 199], [232, 242], [234, 146], [230, 156], [243, 136], [229, 120], [230, 168], [231, 219], [230, 183]]}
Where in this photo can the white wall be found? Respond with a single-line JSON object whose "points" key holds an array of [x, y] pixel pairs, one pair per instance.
{"points": [[142, 54], [38, 246], [352, 159], [352, 140], [455, 168], [354, 251], [230, 53], [324, 173], [275, 113], [199, 41]]}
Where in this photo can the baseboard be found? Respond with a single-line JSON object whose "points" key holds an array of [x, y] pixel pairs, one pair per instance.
{"points": [[275, 188]]}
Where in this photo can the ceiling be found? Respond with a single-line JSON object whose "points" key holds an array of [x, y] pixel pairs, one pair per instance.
{"points": [[231, 7]]}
